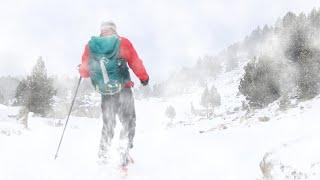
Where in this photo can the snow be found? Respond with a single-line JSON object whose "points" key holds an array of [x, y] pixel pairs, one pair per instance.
{"points": [[233, 145]]}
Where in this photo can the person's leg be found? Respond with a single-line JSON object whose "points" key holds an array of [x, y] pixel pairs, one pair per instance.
{"points": [[127, 117], [108, 108]]}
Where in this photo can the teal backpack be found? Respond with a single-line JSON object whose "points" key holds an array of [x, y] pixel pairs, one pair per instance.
{"points": [[108, 72]]}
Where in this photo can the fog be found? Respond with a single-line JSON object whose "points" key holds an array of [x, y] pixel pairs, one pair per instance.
{"points": [[166, 34]]}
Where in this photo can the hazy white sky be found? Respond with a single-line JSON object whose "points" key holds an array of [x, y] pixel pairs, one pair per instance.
{"points": [[167, 34]]}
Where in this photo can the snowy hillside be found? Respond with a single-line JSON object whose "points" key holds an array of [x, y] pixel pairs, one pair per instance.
{"points": [[233, 145]]}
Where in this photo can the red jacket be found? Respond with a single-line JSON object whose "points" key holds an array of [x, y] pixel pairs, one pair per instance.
{"points": [[127, 52]]}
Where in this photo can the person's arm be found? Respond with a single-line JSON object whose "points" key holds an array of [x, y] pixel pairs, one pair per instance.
{"points": [[84, 67], [134, 62]]}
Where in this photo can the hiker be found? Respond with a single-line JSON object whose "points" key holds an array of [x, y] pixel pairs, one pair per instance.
{"points": [[105, 60]]}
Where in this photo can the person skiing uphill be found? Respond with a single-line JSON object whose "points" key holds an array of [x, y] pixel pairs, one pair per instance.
{"points": [[105, 60]]}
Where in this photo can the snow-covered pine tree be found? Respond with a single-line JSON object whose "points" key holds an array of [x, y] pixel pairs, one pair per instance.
{"points": [[192, 109], [1, 98], [232, 61], [260, 83], [215, 97], [205, 102], [36, 91], [210, 99], [170, 112]]}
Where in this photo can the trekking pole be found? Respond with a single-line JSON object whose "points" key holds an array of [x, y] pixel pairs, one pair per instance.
{"points": [[65, 126]]}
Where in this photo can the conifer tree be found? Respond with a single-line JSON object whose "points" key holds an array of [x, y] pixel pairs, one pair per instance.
{"points": [[36, 91]]}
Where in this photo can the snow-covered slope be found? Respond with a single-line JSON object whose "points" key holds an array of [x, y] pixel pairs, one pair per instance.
{"points": [[233, 145], [299, 156]]}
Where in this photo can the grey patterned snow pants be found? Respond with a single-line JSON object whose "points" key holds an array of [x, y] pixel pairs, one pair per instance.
{"points": [[121, 104]]}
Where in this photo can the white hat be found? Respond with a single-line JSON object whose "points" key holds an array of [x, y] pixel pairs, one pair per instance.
{"points": [[106, 25]]}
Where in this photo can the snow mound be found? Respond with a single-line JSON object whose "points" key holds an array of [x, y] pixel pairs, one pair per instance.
{"points": [[298, 160], [300, 157]]}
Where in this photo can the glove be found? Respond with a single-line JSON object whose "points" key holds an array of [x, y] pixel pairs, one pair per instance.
{"points": [[145, 82], [83, 72]]}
